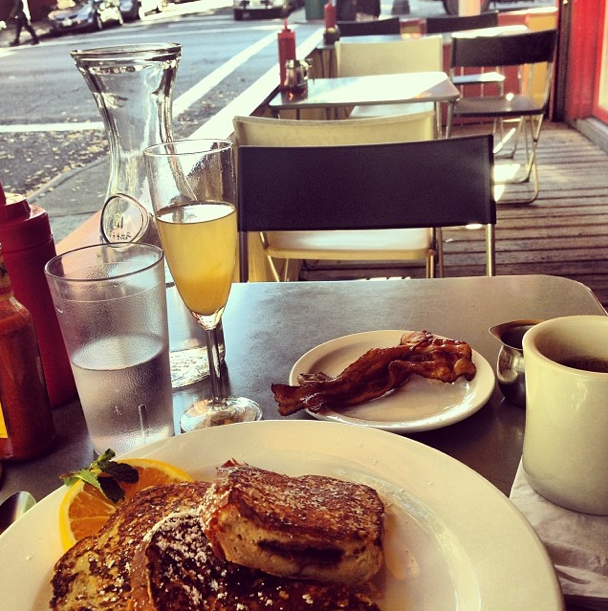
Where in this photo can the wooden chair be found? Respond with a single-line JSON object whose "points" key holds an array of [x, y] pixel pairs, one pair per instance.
{"points": [[416, 54], [371, 188], [457, 23], [526, 51], [263, 131], [390, 25]]}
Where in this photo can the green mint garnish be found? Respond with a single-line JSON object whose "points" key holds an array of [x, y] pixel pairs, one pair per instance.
{"points": [[104, 474]]}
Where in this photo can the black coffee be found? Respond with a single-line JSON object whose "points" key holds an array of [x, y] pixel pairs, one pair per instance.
{"points": [[587, 363]]}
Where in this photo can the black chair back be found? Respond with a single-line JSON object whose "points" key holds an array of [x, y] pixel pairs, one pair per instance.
{"points": [[507, 50], [391, 25], [457, 23], [437, 183]]}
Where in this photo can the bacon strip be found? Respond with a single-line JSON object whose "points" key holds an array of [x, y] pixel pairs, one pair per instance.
{"points": [[378, 372]]}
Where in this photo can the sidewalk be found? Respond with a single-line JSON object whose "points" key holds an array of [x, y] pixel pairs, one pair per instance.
{"points": [[73, 196], [42, 28]]}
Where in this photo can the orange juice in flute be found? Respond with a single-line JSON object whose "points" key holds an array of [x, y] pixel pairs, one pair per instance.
{"points": [[193, 194]]}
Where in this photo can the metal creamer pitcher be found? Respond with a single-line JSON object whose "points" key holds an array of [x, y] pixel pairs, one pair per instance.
{"points": [[510, 371]]}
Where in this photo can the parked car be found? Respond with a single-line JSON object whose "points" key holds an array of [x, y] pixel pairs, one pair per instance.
{"points": [[85, 15], [136, 9], [264, 8]]}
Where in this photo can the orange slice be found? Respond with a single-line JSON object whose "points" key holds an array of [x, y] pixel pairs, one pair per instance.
{"points": [[84, 509]]}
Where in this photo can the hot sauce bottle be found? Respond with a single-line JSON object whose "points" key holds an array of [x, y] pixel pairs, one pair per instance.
{"points": [[332, 32], [329, 14], [287, 50], [26, 420]]}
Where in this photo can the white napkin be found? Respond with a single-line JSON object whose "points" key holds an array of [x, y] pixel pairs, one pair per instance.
{"points": [[577, 544]]}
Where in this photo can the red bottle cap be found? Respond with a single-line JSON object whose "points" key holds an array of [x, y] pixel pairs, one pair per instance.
{"points": [[21, 225]]}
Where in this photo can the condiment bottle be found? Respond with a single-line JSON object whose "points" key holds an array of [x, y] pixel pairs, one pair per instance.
{"points": [[27, 245], [287, 50], [329, 13], [26, 420]]}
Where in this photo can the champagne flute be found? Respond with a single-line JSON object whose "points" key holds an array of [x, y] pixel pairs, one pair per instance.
{"points": [[193, 191]]}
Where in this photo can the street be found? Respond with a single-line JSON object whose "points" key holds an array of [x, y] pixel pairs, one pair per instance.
{"points": [[49, 118]]}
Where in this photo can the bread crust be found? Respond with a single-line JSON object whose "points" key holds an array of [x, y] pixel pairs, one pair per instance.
{"points": [[175, 569], [94, 574], [311, 526]]}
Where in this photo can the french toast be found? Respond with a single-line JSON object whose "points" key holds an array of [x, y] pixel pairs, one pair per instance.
{"points": [[175, 569], [95, 573], [307, 527]]}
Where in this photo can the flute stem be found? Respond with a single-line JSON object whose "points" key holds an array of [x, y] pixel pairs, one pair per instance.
{"points": [[215, 369]]}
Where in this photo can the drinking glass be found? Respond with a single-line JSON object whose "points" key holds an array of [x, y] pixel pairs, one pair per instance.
{"points": [[111, 307], [193, 191]]}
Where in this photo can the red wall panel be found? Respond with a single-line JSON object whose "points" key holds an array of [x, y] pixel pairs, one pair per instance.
{"points": [[584, 49]]}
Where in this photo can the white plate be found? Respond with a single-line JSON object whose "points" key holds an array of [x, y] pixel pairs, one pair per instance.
{"points": [[419, 405], [453, 541]]}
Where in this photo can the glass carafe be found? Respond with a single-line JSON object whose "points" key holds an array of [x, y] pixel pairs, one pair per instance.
{"points": [[132, 86]]}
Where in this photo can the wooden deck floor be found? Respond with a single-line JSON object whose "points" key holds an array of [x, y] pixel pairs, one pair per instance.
{"points": [[564, 232]]}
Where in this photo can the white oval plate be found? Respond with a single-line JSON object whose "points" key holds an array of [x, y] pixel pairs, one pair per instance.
{"points": [[453, 542], [419, 405]]}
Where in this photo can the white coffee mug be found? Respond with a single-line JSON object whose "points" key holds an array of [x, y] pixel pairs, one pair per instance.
{"points": [[565, 455]]}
